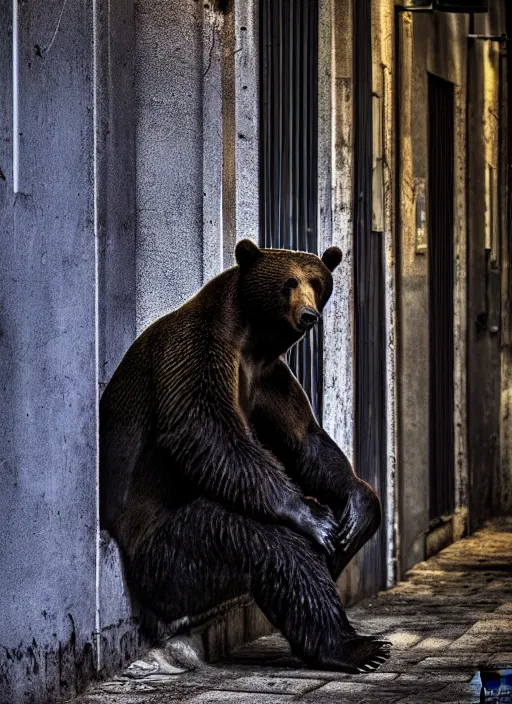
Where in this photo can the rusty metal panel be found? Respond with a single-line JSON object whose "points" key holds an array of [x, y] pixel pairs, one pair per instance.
{"points": [[289, 151]]}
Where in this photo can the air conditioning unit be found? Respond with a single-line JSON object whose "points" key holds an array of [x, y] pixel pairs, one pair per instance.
{"points": [[461, 5]]}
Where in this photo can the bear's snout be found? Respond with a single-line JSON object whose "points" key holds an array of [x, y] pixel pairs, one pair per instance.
{"points": [[308, 317]]}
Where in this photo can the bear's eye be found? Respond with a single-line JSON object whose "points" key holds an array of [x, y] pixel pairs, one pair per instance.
{"points": [[290, 284], [316, 285]]}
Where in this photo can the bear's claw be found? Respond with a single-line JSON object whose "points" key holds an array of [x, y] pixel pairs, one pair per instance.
{"points": [[359, 654]]}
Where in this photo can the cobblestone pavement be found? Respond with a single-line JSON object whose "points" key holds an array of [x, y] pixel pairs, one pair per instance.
{"points": [[450, 623]]}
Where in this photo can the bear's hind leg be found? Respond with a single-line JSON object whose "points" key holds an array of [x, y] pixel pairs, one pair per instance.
{"points": [[202, 555], [297, 594]]}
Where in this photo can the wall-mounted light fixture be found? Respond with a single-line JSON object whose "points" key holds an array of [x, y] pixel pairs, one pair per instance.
{"points": [[444, 5], [461, 5]]}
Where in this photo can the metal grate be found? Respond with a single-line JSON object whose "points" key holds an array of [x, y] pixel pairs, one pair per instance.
{"points": [[441, 281], [289, 147]]}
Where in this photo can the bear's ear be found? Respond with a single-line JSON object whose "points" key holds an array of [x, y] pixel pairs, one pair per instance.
{"points": [[332, 257], [246, 252]]}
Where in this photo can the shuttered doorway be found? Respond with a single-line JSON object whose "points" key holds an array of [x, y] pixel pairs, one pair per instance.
{"points": [[289, 151], [441, 282]]}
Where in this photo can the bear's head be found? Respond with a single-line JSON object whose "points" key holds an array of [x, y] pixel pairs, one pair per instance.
{"points": [[282, 292]]}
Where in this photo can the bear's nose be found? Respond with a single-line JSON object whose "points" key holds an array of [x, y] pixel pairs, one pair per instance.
{"points": [[308, 317]]}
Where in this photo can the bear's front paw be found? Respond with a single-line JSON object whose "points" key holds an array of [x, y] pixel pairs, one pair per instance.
{"points": [[311, 519], [323, 525]]}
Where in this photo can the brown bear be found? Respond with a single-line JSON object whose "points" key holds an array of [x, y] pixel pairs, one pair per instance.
{"points": [[210, 453]]}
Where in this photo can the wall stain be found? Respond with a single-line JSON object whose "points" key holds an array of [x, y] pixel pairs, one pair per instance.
{"points": [[33, 674]]}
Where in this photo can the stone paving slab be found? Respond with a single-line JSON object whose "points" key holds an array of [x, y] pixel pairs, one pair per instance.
{"points": [[448, 622], [279, 685], [253, 698]]}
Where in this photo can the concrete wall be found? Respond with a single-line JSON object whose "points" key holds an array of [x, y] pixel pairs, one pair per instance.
{"points": [[169, 155], [48, 352], [484, 282], [335, 159], [413, 315], [436, 43], [383, 58], [117, 635], [70, 297], [504, 481]]}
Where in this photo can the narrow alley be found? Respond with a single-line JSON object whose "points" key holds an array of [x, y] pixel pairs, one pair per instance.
{"points": [[450, 628], [151, 149]]}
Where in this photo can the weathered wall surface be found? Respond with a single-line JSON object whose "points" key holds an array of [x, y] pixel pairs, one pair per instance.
{"points": [[504, 481], [169, 155], [48, 354], [335, 164], [118, 639], [115, 177], [383, 21], [337, 227], [413, 343], [433, 43], [484, 280], [335, 146]]}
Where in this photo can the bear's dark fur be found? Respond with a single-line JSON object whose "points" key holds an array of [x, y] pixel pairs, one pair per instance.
{"points": [[209, 452]]}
